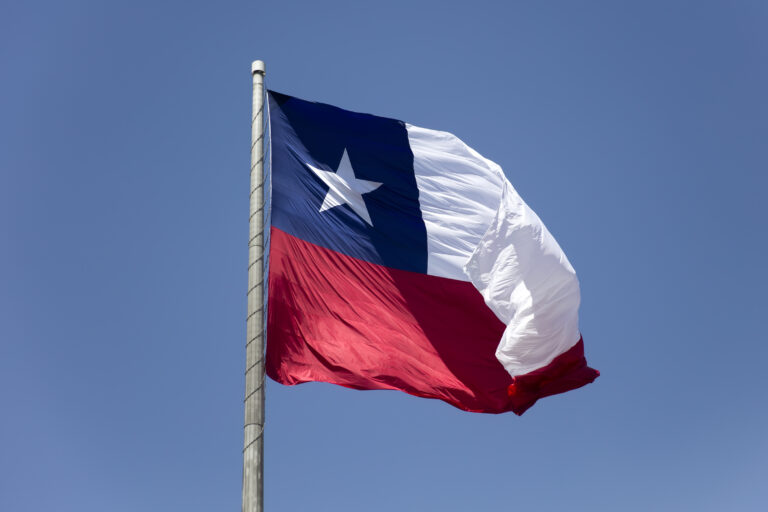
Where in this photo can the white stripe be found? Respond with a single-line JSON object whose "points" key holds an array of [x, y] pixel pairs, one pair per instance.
{"points": [[528, 282], [459, 193], [480, 230]]}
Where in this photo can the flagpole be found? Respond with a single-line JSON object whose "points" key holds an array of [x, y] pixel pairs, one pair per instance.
{"points": [[253, 451]]}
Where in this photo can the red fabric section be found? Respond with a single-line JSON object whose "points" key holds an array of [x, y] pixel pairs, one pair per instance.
{"points": [[337, 319], [567, 371]]}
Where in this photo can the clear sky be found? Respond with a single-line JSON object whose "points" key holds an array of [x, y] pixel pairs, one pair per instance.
{"points": [[637, 130]]}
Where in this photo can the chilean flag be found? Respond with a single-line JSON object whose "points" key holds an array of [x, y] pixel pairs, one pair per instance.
{"points": [[400, 258]]}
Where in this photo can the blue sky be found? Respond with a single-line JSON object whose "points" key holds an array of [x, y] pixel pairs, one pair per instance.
{"points": [[637, 131]]}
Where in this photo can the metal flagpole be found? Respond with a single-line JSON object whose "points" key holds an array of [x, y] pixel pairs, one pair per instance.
{"points": [[253, 453]]}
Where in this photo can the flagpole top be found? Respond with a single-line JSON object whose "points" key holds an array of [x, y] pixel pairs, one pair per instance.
{"points": [[257, 66]]}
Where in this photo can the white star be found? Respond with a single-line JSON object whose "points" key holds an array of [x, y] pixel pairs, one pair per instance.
{"points": [[345, 188]]}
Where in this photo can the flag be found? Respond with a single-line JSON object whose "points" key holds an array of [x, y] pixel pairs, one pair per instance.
{"points": [[400, 258]]}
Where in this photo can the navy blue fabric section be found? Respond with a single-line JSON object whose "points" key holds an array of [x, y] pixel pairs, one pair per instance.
{"points": [[304, 132]]}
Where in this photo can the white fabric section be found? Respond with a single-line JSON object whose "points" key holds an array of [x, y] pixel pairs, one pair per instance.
{"points": [[480, 230], [459, 193], [528, 282]]}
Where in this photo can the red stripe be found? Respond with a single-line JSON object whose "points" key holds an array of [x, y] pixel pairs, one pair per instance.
{"points": [[333, 318]]}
